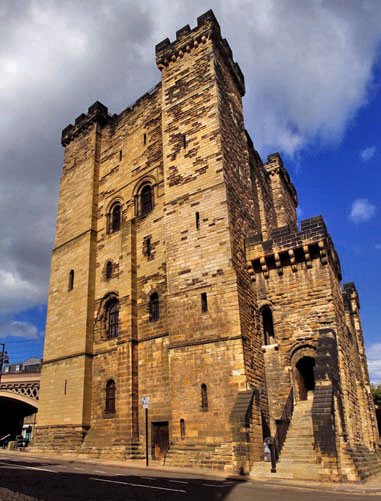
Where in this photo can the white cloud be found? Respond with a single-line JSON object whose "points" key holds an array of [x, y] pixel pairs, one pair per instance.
{"points": [[377, 246], [373, 353], [308, 68], [367, 153], [20, 329], [17, 293], [362, 210]]}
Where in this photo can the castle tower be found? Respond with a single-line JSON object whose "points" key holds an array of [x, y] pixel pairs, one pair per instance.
{"points": [[67, 368], [179, 273], [207, 212]]}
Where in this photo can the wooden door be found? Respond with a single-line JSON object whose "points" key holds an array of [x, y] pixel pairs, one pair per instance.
{"points": [[160, 439]]}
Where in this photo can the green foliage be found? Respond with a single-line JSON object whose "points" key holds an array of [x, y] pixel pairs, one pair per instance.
{"points": [[376, 392]]}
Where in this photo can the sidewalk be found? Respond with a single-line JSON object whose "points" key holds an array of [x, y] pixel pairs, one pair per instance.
{"points": [[371, 486]]}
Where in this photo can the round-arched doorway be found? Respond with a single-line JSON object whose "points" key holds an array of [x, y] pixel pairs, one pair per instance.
{"points": [[305, 377]]}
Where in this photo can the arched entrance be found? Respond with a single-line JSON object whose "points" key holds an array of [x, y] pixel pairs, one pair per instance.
{"points": [[14, 409], [305, 377]]}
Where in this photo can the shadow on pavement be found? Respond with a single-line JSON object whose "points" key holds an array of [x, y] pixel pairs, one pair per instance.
{"points": [[90, 486]]}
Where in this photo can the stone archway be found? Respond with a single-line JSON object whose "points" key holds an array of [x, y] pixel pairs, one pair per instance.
{"points": [[13, 409], [303, 363], [305, 377]]}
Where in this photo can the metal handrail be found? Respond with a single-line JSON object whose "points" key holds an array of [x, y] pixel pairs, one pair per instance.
{"points": [[281, 432]]}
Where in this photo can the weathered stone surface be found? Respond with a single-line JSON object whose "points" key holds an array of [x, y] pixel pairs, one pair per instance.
{"points": [[217, 242]]}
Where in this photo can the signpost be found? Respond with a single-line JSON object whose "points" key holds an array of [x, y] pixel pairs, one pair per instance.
{"points": [[2, 359], [145, 404]]}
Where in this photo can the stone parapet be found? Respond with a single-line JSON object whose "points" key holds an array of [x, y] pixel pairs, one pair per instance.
{"points": [[186, 39], [274, 166], [97, 113], [287, 248], [351, 298]]}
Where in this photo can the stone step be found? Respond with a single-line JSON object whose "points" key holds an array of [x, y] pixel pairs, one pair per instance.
{"points": [[306, 460], [289, 447], [300, 431], [262, 471], [305, 441]]}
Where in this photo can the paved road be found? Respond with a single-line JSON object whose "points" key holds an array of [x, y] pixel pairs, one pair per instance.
{"points": [[25, 478]]}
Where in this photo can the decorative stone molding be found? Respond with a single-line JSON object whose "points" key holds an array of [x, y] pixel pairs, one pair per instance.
{"points": [[25, 389]]}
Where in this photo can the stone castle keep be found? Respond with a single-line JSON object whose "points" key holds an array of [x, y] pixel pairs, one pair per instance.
{"points": [[179, 273]]}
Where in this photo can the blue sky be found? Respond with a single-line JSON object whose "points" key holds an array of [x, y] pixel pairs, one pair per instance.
{"points": [[329, 181], [313, 93]]}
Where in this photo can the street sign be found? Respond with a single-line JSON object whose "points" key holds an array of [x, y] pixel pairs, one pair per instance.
{"points": [[145, 404]]}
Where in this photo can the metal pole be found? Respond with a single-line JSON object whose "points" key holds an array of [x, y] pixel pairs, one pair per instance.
{"points": [[146, 436], [273, 460], [2, 359]]}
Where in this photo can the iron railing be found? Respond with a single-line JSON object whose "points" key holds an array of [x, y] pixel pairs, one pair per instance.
{"points": [[282, 426]]}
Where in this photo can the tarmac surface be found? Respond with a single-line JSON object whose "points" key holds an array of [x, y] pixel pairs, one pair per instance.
{"points": [[27, 476]]}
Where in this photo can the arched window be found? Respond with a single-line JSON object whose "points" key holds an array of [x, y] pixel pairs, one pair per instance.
{"points": [[204, 397], [113, 319], [182, 429], [115, 218], [110, 396], [267, 325], [108, 269], [71, 280], [154, 310], [146, 199]]}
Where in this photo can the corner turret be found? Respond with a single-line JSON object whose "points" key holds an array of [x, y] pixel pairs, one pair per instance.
{"points": [[285, 198], [186, 40], [97, 113]]}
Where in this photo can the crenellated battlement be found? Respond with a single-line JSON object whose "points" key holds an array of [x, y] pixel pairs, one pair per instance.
{"points": [[350, 297], [288, 248], [97, 113], [187, 39], [179, 262], [275, 166]]}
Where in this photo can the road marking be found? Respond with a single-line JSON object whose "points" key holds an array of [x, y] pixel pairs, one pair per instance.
{"points": [[99, 471], [82, 469], [178, 481], [150, 478], [136, 485], [40, 469], [28, 467]]}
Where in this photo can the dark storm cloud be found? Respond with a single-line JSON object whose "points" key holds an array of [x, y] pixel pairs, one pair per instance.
{"points": [[305, 81]]}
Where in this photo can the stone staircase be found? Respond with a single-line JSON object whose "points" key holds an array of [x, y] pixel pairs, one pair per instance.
{"points": [[367, 463], [297, 458], [200, 456], [134, 450]]}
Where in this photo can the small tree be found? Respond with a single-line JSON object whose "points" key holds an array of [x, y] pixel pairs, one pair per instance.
{"points": [[376, 392]]}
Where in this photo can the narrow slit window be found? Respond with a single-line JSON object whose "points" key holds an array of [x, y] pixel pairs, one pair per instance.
{"points": [[71, 280], [204, 302], [268, 326], [109, 270], [65, 387], [120, 155], [145, 138], [197, 220], [204, 397], [184, 141], [182, 429], [148, 247]]}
